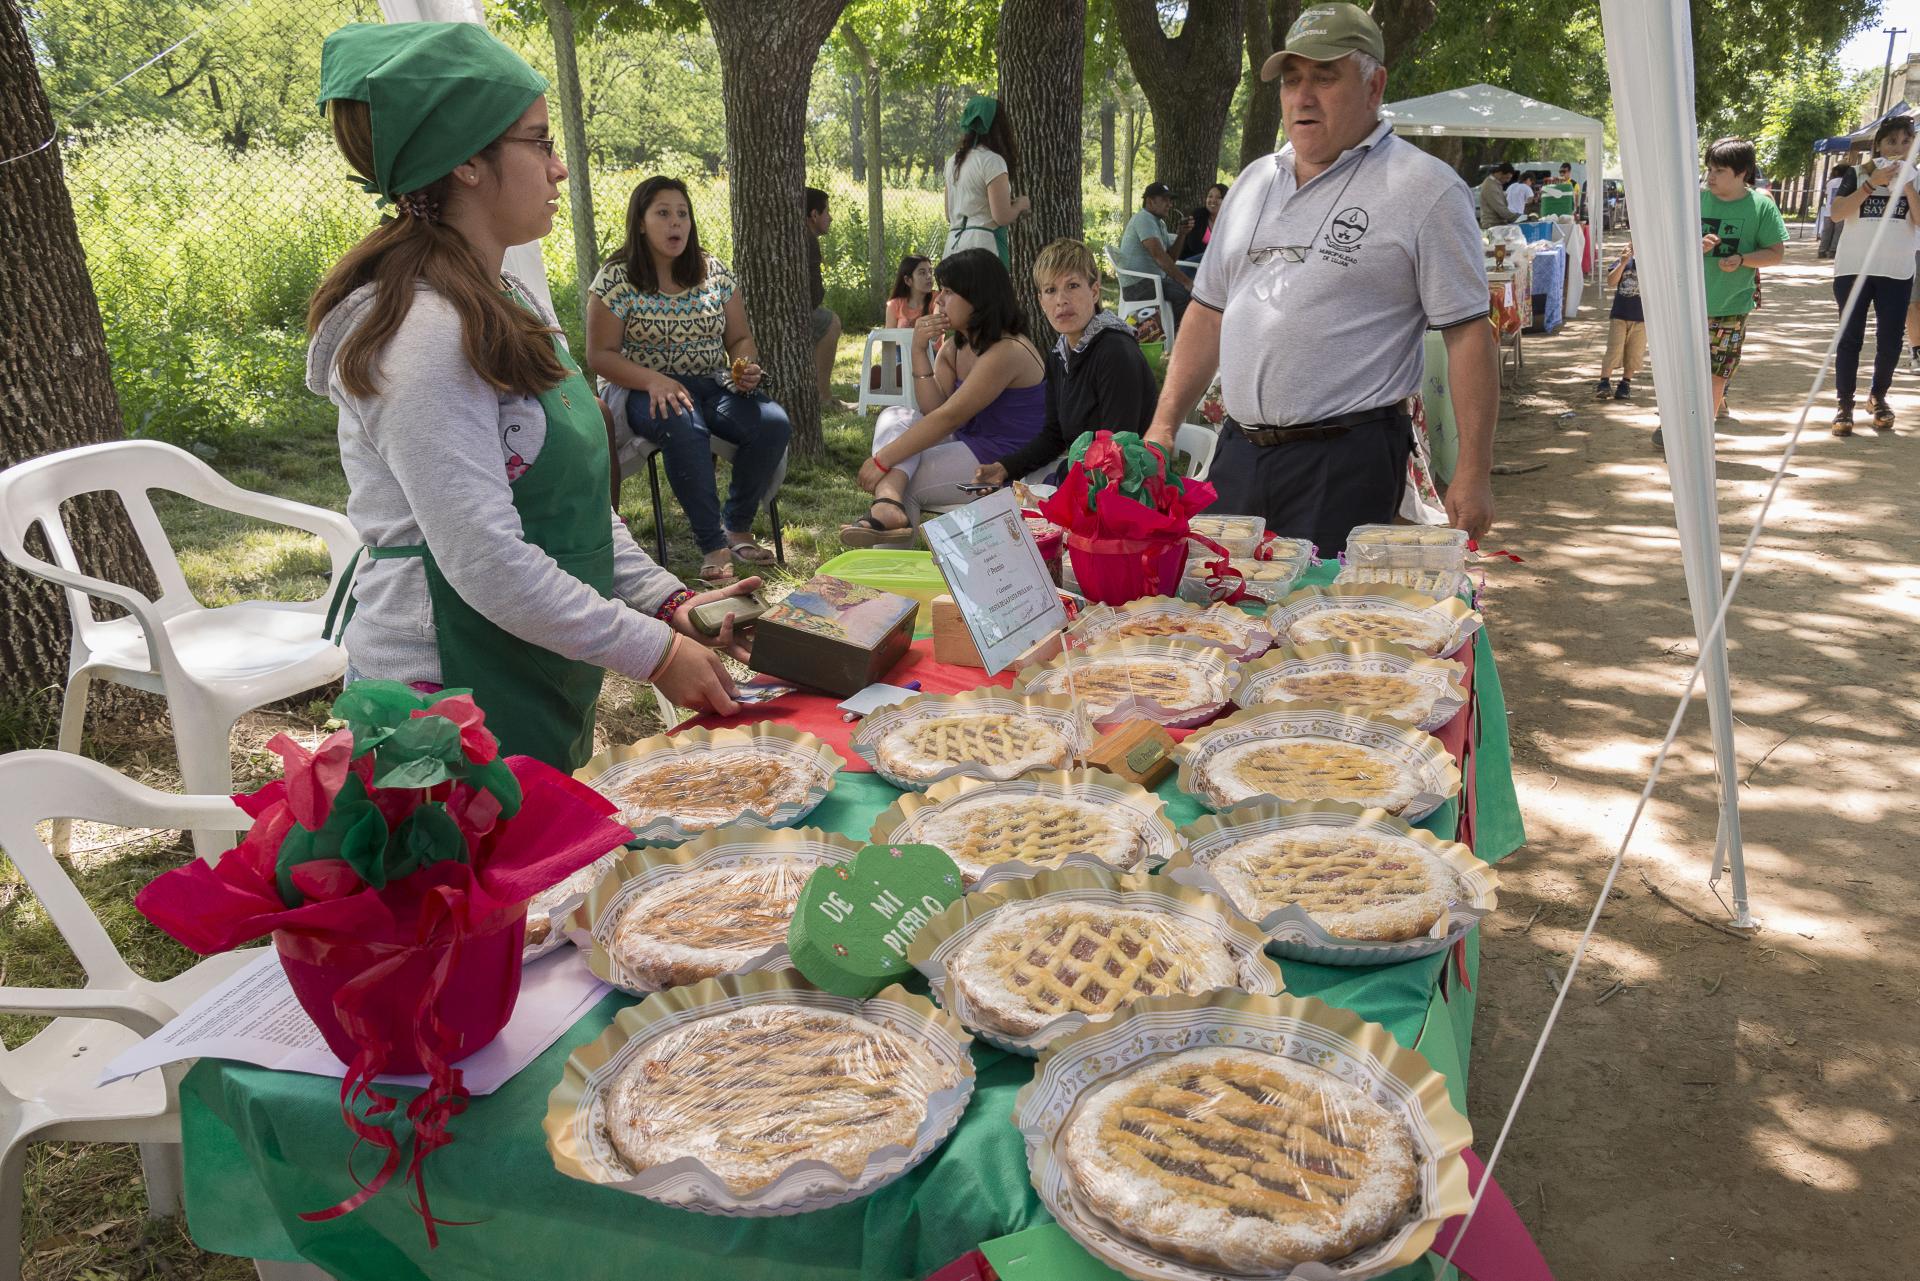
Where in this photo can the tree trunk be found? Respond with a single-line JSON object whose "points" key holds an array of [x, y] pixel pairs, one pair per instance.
{"points": [[56, 385], [1127, 194], [1189, 81], [766, 69], [1266, 29], [1038, 50], [1402, 23], [1108, 110], [573, 133], [879, 277]]}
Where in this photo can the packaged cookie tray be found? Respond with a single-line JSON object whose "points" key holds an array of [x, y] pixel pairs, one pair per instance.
{"points": [[1407, 546], [699, 1076], [1293, 932], [1266, 577], [719, 904], [1384, 1117], [673, 787], [1238, 534], [1121, 680], [1439, 681], [1243, 635], [1439, 583], [946, 942], [1010, 844], [1071, 734], [1436, 626]]}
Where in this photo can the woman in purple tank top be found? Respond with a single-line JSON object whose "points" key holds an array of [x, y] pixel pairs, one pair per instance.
{"points": [[983, 397]]}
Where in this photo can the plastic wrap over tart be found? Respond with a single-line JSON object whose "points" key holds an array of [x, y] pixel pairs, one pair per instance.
{"points": [[672, 787], [1376, 678], [1242, 635], [985, 733], [1175, 682], [1436, 627]]}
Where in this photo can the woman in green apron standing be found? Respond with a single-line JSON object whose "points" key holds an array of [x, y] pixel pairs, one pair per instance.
{"points": [[980, 200], [475, 453]]}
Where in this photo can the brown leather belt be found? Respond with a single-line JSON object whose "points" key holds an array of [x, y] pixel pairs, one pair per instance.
{"points": [[1325, 428]]}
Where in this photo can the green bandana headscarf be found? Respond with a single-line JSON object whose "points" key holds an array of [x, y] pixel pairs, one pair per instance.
{"points": [[978, 117], [437, 93]]}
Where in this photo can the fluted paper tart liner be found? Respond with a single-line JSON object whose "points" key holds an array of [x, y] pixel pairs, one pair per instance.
{"points": [[778, 861], [1264, 680], [1291, 931], [1451, 615], [943, 938], [1304, 1030], [1428, 764], [576, 1120], [813, 759], [548, 911], [1247, 634], [1060, 676], [1057, 714], [907, 820]]}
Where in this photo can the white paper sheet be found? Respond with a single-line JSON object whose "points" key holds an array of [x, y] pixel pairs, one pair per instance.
{"points": [[254, 1018]]}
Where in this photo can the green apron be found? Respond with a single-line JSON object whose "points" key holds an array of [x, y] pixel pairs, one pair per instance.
{"points": [[537, 703], [999, 237]]}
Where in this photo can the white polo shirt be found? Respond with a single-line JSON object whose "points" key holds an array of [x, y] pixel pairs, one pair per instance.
{"points": [[1390, 248]]}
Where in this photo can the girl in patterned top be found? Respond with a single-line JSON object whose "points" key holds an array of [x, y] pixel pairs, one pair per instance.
{"points": [[667, 332]]}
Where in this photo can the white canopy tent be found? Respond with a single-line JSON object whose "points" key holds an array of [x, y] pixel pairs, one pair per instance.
{"points": [[1484, 111]]}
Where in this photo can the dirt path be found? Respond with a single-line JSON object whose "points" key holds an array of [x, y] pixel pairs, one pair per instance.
{"points": [[1736, 1108]]}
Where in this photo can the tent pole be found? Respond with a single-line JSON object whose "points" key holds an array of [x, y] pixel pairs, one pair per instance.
{"points": [[1650, 57]]}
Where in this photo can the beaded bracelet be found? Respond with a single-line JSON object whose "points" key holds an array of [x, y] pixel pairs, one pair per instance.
{"points": [[672, 604]]}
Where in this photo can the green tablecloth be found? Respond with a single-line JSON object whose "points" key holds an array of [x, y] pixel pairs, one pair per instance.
{"points": [[262, 1146]]}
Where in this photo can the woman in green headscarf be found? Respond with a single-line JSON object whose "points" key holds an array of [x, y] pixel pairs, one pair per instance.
{"points": [[476, 455], [980, 200]]}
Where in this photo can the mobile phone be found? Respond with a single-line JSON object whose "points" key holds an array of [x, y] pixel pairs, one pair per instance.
{"points": [[978, 490], [708, 618]]}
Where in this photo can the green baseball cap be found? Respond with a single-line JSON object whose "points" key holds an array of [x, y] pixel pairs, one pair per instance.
{"points": [[1325, 32], [436, 92]]}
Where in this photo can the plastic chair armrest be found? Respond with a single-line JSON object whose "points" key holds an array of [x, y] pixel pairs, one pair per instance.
{"points": [[132, 1010], [335, 530], [142, 609]]}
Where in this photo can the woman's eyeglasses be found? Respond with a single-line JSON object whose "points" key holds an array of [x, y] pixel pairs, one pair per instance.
{"points": [[547, 145]]}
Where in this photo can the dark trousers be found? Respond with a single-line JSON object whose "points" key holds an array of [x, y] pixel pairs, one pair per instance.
{"points": [[1175, 290], [754, 424], [1316, 489], [1888, 299]]}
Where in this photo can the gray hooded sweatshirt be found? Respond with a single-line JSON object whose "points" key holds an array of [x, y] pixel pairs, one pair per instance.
{"points": [[432, 459]]}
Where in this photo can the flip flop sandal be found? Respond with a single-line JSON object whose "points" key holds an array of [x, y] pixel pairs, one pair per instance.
{"points": [[749, 552], [716, 572], [868, 532]]}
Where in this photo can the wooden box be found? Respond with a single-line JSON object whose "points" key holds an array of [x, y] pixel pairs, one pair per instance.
{"points": [[1140, 751], [832, 635], [953, 643]]}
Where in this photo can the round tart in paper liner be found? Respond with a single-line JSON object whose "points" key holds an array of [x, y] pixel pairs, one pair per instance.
{"points": [[719, 904], [1001, 829], [1244, 636], [677, 1100], [1339, 754], [1430, 689], [673, 787], [988, 954], [1465, 890], [1435, 627], [1182, 1063], [1028, 733], [1179, 683], [547, 911]]}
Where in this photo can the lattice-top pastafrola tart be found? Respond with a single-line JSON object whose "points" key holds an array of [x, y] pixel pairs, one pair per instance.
{"points": [[750, 1092], [1418, 629], [1307, 769], [1003, 744], [1390, 695], [1355, 885], [702, 791], [1194, 626], [980, 832], [709, 921], [1035, 962], [1103, 684], [1241, 1160]]}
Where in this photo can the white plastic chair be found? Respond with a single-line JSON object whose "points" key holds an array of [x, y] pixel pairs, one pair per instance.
{"points": [[886, 351], [211, 665], [1197, 442], [47, 1089], [1126, 306]]}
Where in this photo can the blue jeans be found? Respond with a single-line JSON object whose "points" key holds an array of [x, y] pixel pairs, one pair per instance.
{"points": [[753, 424]]}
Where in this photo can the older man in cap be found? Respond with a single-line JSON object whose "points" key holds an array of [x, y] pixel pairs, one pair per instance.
{"points": [[1330, 260]]}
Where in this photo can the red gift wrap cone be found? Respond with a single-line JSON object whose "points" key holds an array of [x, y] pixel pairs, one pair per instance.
{"points": [[1113, 571]]}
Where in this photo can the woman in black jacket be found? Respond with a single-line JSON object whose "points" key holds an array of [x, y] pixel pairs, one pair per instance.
{"points": [[1193, 242], [1096, 376]]}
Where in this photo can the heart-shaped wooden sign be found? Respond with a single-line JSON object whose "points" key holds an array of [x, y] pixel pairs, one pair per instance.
{"points": [[855, 920]]}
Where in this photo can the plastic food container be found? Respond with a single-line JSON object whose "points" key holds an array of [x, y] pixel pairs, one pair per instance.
{"points": [[1268, 580], [1408, 547], [1238, 534]]}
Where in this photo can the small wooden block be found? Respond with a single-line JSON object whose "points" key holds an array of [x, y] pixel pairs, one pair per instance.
{"points": [[952, 642], [1140, 751]]}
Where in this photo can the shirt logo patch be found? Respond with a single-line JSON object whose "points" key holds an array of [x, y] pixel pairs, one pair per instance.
{"points": [[1349, 225]]}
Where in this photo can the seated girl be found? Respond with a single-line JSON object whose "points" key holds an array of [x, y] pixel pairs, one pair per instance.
{"points": [[983, 396], [912, 288], [667, 331]]}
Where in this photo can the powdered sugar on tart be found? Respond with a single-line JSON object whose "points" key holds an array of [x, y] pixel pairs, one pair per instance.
{"points": [[1035, 962], [979, 832], [1001, 744], [1355, 885], [1307, 769], [710, 921], [1241, 1160]]}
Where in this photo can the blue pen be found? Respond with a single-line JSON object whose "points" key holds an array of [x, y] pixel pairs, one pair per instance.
{"points": [[911, 685]]}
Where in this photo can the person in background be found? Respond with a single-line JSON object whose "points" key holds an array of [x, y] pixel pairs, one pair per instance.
{"points": [[1840, 183], [825, 332], [983, 397], [1558, 197], [1626, 332], [1492, 208], [667, 332], [1191, 244], [1096, 375], [1521, 193], [979, 181], [1880, 259], [1143, 248], [912, 288]]}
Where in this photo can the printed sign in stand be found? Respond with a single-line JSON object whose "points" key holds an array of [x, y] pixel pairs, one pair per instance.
{"points": [[997, 578]]}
